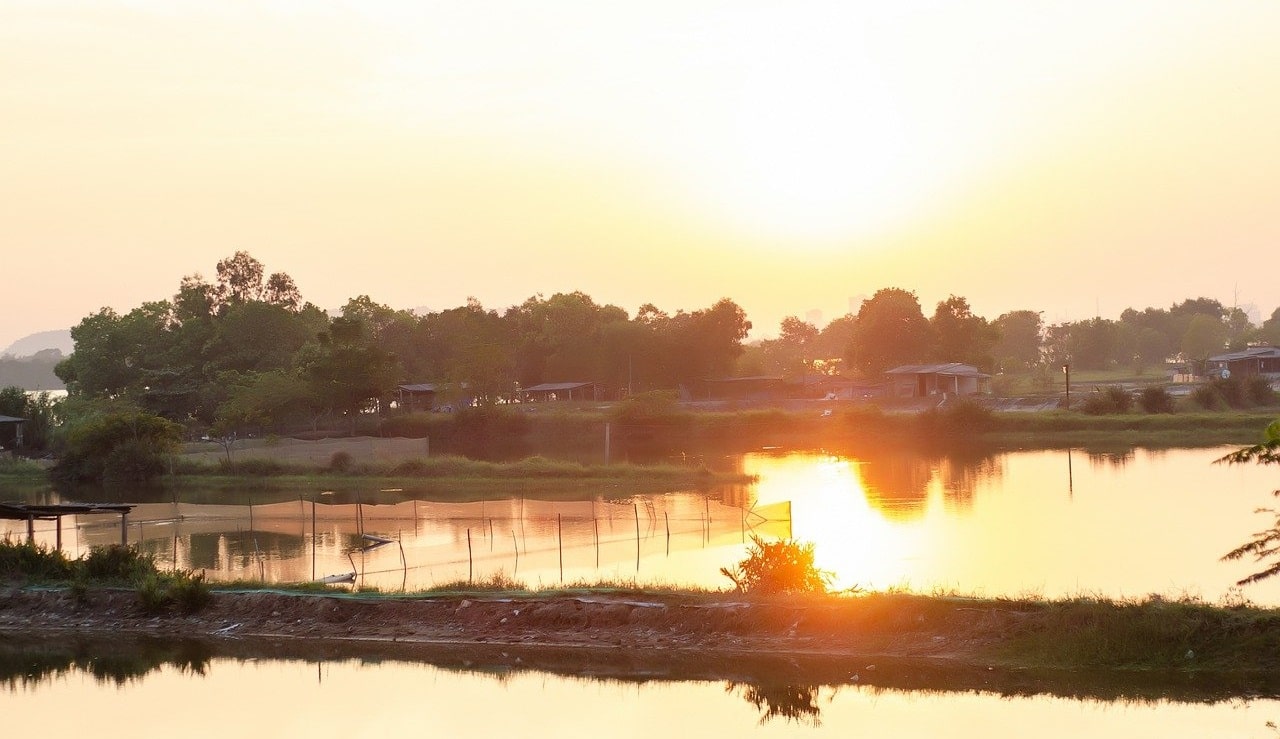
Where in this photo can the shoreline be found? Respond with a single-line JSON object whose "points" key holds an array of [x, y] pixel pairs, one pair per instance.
{"points": [[917, 642]]}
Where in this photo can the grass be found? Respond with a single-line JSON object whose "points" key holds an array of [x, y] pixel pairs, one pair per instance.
{"points": [[115, 565]]}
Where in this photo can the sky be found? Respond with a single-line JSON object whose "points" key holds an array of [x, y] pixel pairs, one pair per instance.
{"points": [[1075, 158]]}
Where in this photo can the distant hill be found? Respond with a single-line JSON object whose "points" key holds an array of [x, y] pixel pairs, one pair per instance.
{"points": [[31, 373], [29, 345]]}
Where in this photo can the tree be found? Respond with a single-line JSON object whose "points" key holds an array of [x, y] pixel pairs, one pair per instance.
{"points": [[961, 336], [1018, 345], [891, 330], [116, 446], [1204, 337], [346, 370], [1264, 547]]}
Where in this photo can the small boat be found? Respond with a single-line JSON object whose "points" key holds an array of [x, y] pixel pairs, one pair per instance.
{"points": [[335, 579], [375, 540]]}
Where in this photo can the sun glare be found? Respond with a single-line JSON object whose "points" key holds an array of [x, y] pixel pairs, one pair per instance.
{"points": [[852, 540]]}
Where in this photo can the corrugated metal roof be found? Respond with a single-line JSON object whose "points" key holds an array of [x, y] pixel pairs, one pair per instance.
{"points": [[1254, 352], [11, 419], [950, 369], [422, 387]]}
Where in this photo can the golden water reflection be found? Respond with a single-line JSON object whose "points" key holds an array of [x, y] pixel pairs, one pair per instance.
{"points": [[346, 698], [1049, 523], [1044, 523]]}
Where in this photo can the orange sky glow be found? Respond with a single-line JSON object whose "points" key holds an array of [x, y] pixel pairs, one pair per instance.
{"points": [[1066, 157]]}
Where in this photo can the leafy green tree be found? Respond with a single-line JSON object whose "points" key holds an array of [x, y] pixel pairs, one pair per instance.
{"points": [[778, 567], [961, 336], [471, 349], [1204, 337], [891, 330], [1018, 345], [116, 446], [262, 400], [347, 372]]}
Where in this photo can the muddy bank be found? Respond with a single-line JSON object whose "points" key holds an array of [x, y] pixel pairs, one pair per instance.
{"points": [[903, 642]]}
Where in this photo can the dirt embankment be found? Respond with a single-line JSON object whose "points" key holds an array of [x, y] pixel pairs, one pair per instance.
{"points": [[896, 641]]}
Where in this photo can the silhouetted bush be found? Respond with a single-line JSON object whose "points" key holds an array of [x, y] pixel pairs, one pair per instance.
{"points": [[1107, 400], [1156, 400], [779, 567]]}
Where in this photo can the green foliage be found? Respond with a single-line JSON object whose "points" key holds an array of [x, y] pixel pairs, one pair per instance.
{"points": [[34, 562], [117, 446], [778, 567], [891, 330], [340, 461], [1107, 400], [655, 406], [1265, 545], [963, 416], [186, 592], [116, 563], [1155, 399]]}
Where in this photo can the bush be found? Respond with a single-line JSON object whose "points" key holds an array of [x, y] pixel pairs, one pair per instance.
{"points": [[116, 563], [1156, 399], [1258, 390], [1111, 399], [340, 461], [780, 567], [29, 561], [159, 593], [1208, 398]]}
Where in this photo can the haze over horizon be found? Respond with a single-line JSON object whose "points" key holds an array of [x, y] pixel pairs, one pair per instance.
{"points": [[1075, 159]]}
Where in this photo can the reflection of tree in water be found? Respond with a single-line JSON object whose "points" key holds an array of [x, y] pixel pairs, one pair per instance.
{"points": [[897, 483], [1116, 459], [797, 703]]}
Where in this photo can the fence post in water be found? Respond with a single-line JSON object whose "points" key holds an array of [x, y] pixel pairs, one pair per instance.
{"points": [[607, 440], [251, 514], [313, 539], [595, 525], [516, 547], [667, 519], [636, 507], [491, 534], [560, 544], [124, 528], [470, 561]]}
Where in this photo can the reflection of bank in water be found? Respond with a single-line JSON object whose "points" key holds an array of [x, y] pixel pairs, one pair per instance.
{"points": [[678, 538]]}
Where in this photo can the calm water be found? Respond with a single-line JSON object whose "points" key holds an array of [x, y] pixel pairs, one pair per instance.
{"points": [[1046, 523], [285, 698]]}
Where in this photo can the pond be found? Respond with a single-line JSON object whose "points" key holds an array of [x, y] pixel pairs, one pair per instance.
{"points": [[1045, 523], [194, 695]]}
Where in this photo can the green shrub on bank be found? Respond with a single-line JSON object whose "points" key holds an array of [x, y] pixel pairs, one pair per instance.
{"points": [[112, 565], [1108, 400], [1155, 399]]}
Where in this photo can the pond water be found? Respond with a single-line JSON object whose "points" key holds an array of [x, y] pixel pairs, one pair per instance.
{"points": [[344, 698], [1048, 523]]}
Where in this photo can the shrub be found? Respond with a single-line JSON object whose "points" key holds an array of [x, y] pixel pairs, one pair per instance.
{"points": [[340, 462], [31, 561], [158, 593], [1258, 390], [1111, 399], [1208, 398], [780, 567], [1156, 399], [117, 563]]}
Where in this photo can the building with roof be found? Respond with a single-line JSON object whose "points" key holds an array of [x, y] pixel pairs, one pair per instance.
{"points": [[924, 380], [1255, 360], [11, 432]]}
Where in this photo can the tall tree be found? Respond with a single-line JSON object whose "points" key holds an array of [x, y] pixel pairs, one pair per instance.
{"points": [[961, 336], [891, 330], [1019, 344]]}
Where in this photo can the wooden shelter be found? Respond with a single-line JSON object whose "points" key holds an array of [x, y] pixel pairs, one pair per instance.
{"points": [[31, 512], [561, 391], [16, 424]]}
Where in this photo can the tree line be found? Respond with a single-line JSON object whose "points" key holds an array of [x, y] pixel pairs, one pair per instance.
{"points": [[245, 349]]}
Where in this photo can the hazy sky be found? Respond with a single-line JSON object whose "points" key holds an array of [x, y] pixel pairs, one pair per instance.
{"points": [[1069, 157]]}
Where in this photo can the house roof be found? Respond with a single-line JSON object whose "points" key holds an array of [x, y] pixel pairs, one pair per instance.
{"points": [[422, 387], [1253, 352], [950, 369], [11, 419], [551, 387], [741, 380]]}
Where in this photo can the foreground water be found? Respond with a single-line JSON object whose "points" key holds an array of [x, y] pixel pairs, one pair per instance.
{"points": [[223, 697], [1047, 523]]}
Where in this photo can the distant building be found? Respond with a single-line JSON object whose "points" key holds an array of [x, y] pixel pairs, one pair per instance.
{"points": [[431, 396], [923, 380], [1256, 360], [753, 389]]}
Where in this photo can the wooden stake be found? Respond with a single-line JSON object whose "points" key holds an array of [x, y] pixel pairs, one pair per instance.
{"points": [[470, 562]]}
